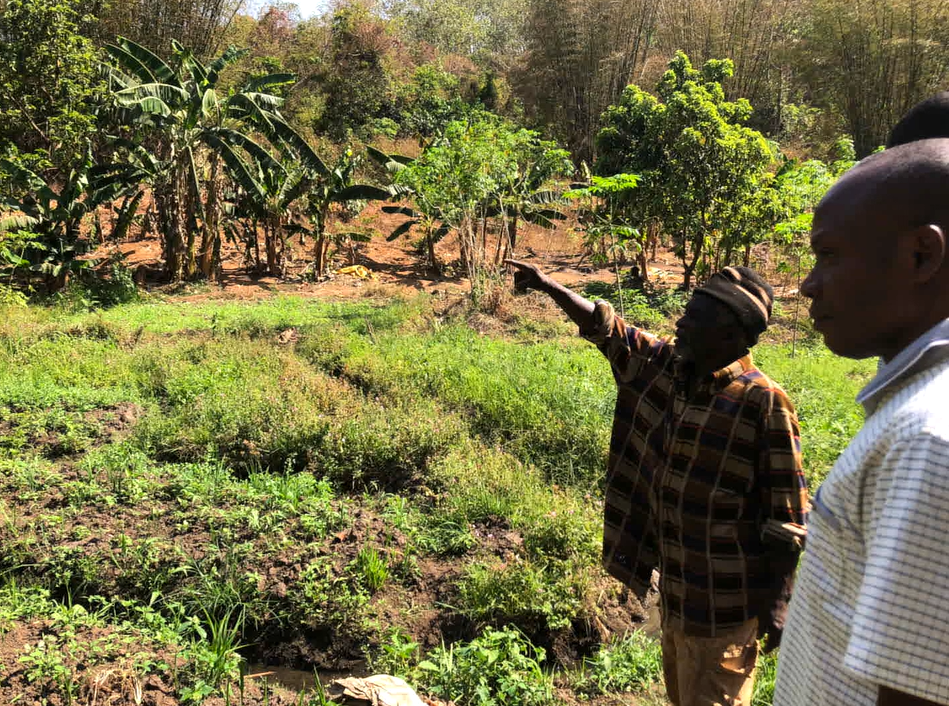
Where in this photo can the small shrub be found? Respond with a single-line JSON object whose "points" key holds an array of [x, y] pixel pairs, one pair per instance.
{"points": [[630, 665], [397, 655], [522, 592], [500, 668], [565, 533], [11, 297], [117, 286], [324, 598], [123, 471]]}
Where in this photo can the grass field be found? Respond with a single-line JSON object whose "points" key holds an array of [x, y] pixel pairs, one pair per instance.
{"points": [[190, 488]]}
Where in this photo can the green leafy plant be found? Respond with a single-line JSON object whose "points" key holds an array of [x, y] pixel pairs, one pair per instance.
{"points": [[480, 169], [604, 235], [521, 591], [500, 668], [213, 656], [397, 655], [628, 665]]}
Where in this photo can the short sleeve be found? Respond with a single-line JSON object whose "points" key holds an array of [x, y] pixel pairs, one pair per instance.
{"points": [[627, 348], [899, 637]]}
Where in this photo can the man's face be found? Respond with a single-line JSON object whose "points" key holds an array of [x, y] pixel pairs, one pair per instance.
{"points": [[707, 332], [857, 298]]}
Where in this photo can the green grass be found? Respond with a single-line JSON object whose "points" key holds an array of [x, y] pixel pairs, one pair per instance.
{"points": [[823, 389], [186, 471]]}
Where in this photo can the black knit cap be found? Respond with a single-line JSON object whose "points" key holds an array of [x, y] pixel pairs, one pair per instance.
{"points": [[744, 292]]}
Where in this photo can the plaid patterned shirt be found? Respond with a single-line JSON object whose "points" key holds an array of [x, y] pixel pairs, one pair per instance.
{"points": [[703, 487]]}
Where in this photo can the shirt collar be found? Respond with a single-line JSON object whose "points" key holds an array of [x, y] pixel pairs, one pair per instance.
{"points": [[724, 377], [721, 378], [925, 351]]}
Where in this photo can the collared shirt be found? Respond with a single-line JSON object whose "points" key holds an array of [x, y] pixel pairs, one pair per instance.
{"points": [[704, 484], [869, 602]]}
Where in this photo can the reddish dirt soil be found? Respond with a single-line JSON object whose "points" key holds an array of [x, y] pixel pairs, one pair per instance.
{"points": [[397, 269]]}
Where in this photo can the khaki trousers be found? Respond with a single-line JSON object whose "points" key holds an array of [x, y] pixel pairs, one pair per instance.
{"points": [[710, 671]]}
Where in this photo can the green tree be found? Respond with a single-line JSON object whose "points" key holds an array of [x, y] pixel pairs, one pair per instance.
{"points": [[478, 170], [697, 160], [429, 101], [482, 29], [45, 222], [49, 83], [357, 83]]}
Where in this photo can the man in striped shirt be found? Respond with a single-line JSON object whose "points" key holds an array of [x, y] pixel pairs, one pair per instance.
{"points": [[704, 480], [866, 626]]}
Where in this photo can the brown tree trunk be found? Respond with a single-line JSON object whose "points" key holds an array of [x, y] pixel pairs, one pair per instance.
{"points": [[271, 236], [211, 235]]}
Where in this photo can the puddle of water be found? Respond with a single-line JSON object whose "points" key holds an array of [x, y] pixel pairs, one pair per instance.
{"points": [[294, 679]]}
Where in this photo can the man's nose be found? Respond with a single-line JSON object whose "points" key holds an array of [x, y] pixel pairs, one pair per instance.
{"points": [[809, 286]]}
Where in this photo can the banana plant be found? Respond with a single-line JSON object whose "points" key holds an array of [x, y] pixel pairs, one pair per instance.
{"points": [[337, 188], [524, 192], [270, 193], [54, 214], [178, 113], [434, 222]]}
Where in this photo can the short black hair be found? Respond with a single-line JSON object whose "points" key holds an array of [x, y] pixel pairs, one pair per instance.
{"points": [[927, 120], [912, 181]]}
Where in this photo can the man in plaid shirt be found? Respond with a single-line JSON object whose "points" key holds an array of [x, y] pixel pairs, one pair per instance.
{"points": [[704, 481]]}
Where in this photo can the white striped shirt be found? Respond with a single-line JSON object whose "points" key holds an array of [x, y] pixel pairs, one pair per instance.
{"points": [[869, 602]]}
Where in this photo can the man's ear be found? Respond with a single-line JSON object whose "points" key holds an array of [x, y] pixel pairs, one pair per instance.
{"points": [[929, 251]]}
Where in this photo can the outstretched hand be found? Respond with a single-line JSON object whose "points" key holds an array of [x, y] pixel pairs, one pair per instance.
{"points": [[526, 276]]}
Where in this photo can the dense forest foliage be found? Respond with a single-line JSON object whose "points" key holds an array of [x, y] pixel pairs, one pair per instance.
{"points": [[207, 125]]}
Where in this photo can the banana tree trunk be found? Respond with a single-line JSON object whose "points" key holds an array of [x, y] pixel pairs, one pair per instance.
{"points": [[256, 234], [169, 225], [272, 243], [211, 236], [321, 245], [194, 210]]}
